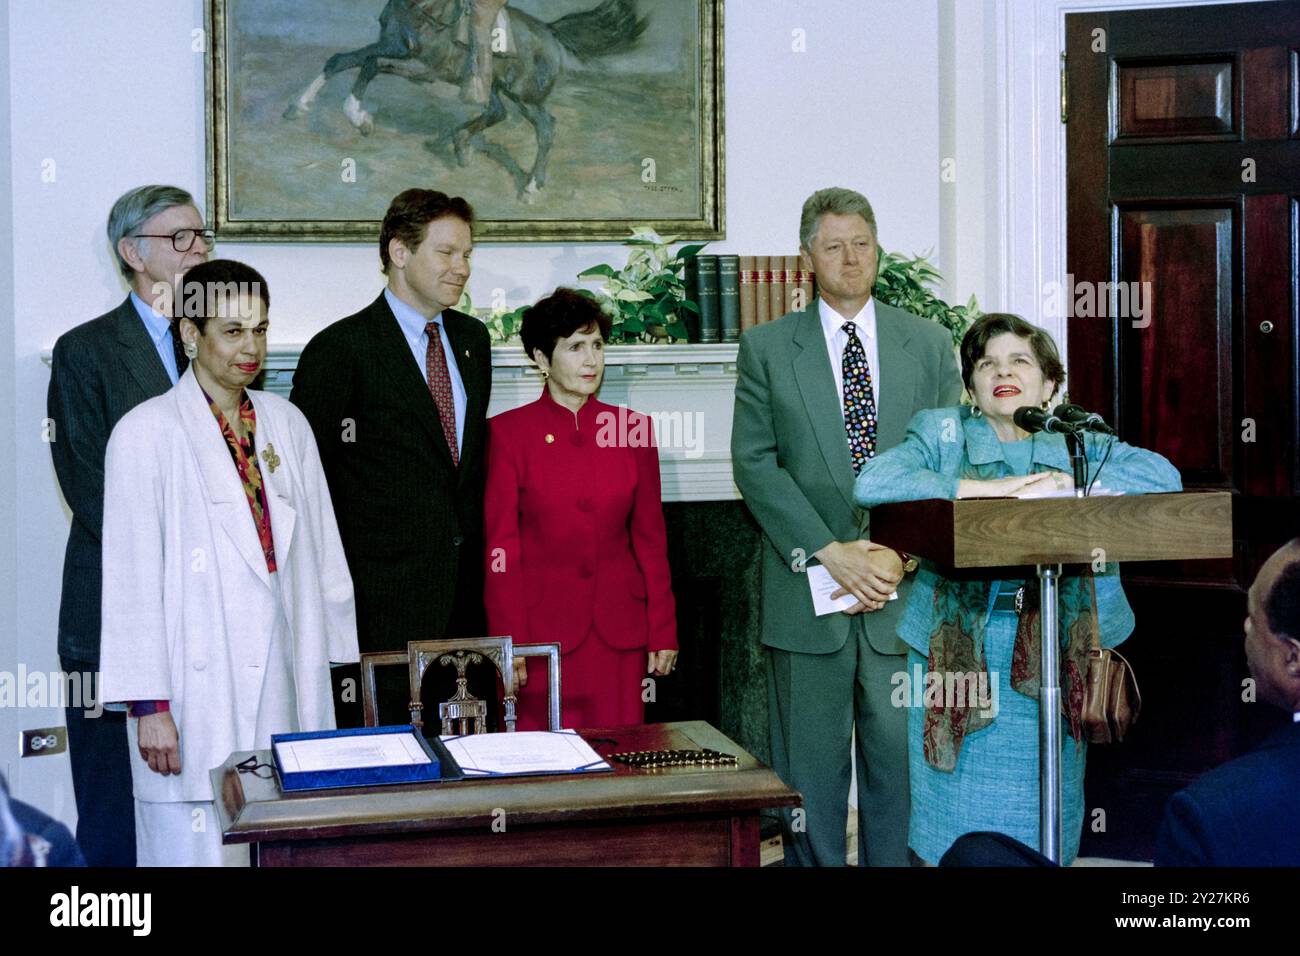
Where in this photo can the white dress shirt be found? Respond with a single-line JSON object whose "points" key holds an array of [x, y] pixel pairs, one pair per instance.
{"points": [[837, 340], [159, 328], [413, 329]]}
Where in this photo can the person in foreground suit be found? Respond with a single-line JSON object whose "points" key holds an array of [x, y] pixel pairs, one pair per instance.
{"points": [[226, 592], [397, 395], [576, 547], [1247, 812], [973, 757], [29, 837], [818, 393], [100, 371]]}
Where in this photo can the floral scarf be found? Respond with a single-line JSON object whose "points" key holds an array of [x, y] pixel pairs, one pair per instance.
{"points": [[957, 648], [244, 454]]}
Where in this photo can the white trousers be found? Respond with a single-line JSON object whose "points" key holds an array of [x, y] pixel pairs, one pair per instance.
{"points": [[187, 833]]}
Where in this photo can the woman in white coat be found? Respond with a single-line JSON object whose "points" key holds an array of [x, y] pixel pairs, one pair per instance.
{"points": [[226, 592]]}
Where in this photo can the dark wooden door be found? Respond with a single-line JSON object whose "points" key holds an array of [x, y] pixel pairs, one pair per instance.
{"points": [[1184, 179]]}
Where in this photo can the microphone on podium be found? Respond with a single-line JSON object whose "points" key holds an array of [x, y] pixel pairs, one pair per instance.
{"points": [[1033, 419], [1078, 415]]}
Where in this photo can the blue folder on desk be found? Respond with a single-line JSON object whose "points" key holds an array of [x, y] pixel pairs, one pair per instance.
{"points": [[428, 761]]}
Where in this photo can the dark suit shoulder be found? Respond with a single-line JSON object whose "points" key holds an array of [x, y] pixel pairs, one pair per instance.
{"points": [[344, 331], [468, 324], [1262, 775], [95, 331]]}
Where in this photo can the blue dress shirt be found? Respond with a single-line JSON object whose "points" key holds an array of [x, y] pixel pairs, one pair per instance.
{"points": [[159, 328], [412, 324]]}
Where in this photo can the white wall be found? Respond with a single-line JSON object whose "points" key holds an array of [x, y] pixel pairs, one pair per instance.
{"points": [[111, 92]]}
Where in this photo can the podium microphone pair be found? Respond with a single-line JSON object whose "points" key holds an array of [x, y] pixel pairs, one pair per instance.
{"points": [[1065, 419]]}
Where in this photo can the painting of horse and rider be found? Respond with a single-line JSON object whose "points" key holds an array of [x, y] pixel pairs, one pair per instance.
{"points": [[557, 119]]}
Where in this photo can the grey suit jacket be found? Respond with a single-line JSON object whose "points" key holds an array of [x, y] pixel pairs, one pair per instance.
{"points": [[791, 458], [101, 370]]}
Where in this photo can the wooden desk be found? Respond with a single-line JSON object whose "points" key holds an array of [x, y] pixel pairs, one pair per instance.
{"points": [[678, 817]]}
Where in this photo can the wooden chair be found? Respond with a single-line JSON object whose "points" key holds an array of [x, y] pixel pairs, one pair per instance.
{"points": [[551, 653], [462, 712], [371, 663]]}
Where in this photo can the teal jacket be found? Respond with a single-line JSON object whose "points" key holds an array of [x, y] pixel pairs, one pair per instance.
{"points": [[944, 445]]}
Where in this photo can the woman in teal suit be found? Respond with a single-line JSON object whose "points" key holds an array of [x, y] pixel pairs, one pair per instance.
{"points": [[974, 762]]}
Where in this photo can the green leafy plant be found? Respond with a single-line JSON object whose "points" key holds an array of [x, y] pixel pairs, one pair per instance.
{"points": [[906, 283], [646, 299]]}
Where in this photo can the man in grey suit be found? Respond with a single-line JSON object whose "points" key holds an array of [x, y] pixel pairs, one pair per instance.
{"points": [[101, 370], [818, 393]]}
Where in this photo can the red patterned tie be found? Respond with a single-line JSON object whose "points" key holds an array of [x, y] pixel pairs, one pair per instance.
{"points": [[439, 379]]}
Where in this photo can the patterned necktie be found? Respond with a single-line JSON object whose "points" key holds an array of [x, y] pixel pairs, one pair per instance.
{"points": [[439, 379], [859, 401]]}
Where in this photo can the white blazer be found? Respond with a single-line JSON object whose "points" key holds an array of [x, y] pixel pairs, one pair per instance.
{"points": [[188, 606]]}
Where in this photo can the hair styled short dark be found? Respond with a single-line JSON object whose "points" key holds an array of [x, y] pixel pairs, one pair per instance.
{"points": [[558, 316], [989, 326], [410, 213], [212, 289], [1282, 603]]}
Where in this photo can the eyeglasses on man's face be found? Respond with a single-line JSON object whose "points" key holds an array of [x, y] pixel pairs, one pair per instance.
{"points": [[183, 239]]}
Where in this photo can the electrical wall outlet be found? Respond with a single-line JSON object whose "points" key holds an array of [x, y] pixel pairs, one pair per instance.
{"points": [[43, 742]]}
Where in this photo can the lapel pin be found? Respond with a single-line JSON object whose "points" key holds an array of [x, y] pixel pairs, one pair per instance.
{"points": [[550, 439], [270, 457], [467, 353]]}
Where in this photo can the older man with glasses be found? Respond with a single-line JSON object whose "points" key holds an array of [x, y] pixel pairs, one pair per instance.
{"points": [[101, 370]]}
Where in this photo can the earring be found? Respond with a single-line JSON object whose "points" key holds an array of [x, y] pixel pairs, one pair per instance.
{"points": [[977, 412], [191, 351]]}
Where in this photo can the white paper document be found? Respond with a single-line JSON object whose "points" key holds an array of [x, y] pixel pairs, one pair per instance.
{"points": [[525, 752], [350, 753], [823, 586]]}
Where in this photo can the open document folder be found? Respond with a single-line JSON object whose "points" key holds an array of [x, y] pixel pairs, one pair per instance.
{"points": [[525, 752]]}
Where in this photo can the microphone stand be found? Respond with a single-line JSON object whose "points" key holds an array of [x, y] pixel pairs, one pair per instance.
{"points": [[1078, 460]]}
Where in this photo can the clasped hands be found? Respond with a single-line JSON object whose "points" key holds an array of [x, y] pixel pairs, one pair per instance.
{"points": [[1036, 485], [868, 571]]}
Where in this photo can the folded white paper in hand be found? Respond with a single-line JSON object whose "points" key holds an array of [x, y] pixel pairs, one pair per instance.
{"points": [[823, 586]]}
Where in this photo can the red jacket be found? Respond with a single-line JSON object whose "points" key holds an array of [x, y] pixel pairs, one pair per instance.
{"points": [[575, 528]]}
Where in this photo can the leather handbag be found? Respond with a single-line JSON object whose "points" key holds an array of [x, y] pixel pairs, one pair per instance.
{"points": [[1111, 701]]}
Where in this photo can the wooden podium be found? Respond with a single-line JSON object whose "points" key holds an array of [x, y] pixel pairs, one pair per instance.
{"points": [[988, 533]]}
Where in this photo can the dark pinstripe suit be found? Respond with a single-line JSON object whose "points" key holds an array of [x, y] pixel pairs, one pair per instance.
{"points": [[101, 370], [411, 521]]}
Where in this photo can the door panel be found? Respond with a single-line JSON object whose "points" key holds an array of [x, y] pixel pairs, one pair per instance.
{"points": [[1184, 173]]}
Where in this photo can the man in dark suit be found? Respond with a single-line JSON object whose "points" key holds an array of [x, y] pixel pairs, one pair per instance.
{"points": [[397, 396], [808, 390], [101, 370], [1247, 812]]}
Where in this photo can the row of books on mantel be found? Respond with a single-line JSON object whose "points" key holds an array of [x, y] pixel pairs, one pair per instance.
{"points": [[737, 292]]}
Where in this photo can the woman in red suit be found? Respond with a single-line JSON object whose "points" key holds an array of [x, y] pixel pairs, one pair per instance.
{"points": [[576, 548]]}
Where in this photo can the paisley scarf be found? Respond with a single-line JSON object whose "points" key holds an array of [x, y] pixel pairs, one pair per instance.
{"points": [[957, 651]]}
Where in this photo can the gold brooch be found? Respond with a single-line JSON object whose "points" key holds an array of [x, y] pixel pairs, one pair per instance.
{"points": [[550, 439], [270, 457]]}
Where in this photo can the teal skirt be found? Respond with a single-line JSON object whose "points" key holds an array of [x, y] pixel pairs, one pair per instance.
{"points": [[995, 784]]}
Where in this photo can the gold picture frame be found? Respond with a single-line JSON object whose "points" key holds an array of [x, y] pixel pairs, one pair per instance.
{"points": [[636, 136]]}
